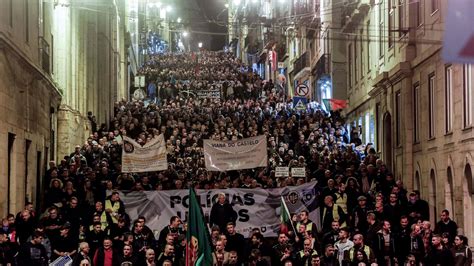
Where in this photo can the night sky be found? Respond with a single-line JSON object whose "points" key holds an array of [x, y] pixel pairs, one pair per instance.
{"points": [[208, 10]]}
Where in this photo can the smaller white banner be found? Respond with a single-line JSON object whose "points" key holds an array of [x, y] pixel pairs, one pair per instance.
{"points": [[148, 158], [298, 172], [234, 155], [208, 94], [282, 171]]}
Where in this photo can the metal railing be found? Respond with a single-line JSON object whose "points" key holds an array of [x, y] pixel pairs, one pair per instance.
{"points": [[301, 62]]}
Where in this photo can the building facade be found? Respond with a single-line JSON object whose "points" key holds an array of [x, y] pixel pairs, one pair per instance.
{"points": [[415, 108], [58, 61], [384, 57]]}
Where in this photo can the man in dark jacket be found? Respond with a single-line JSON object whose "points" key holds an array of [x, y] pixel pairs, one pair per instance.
{"points": [[33, 253], [439, 254], [173, 229], [446, 225], [82, 255], [222, 213], [384, 245]]}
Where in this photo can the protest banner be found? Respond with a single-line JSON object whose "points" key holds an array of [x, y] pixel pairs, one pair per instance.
{"points": [[208, 94], [256, 208], [282, 171], [147, 158], [234, 155]]}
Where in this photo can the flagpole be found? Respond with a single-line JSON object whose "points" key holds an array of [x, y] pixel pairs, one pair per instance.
{"points": [[288, 213]]}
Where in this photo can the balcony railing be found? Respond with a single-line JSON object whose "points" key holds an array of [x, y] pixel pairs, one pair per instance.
{"points": [[44, 52], [301, 62], [323, 66]]}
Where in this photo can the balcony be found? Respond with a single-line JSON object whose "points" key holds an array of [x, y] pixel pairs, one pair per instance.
{"points": [[301, 63], [44, 52], [353, 12], [323, 66]]}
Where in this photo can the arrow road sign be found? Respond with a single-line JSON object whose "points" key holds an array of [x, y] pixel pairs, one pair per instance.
{"points": [[302, 90]]}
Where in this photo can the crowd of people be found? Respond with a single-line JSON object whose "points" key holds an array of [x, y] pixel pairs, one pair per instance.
{"points": [[367, 217]]}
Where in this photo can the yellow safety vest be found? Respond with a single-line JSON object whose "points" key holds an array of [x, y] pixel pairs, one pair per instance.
{"points": [[114, 207], [366, 250], [341, 200], [309, 226], [335, 214], [302, 253]]}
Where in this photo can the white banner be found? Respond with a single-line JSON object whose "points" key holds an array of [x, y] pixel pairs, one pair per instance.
{"points": [[298, 172], [256, 208], [208, 94], [147, 158], [282, 171], [234, 155]]}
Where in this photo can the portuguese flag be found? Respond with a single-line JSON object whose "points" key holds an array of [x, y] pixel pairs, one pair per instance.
{"points": [[198, 246], [334, 104], [285, 219]]}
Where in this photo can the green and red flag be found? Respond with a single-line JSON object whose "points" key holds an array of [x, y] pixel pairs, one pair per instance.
{"points": [[198, 244], [285, 218], [334, 104]]}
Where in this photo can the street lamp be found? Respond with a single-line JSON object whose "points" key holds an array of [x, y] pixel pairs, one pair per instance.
{"points": [[200, 44]]}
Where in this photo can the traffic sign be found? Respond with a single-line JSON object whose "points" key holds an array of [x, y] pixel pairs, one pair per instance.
{"points": [[302, 90], [299, 103]]}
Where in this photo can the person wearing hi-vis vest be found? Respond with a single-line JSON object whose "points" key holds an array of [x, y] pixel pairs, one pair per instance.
{"points": [[310, 226], [331, 212], [114, 206], [350, 256], [303, 257]]}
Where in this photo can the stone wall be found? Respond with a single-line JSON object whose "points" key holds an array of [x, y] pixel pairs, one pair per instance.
{"points": [[28, 101]]}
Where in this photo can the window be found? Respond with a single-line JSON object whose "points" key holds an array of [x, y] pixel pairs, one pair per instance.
{"points": [[431, 105], [27, 22], [448, 107], [11, 13], [416, 113], [361, 46], [391, 22], [401, 17], [368, 46], [367, 128], [398, 110], [27, 157], [467, 95], [349, 56], [434, 5], [377, 124], [418, 11], [356, 72], [11, 170], [381, 31]]}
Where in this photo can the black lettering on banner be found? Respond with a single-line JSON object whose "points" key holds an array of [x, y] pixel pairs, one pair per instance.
{"points": [[185, 200], [244, 215], [248, 199], [236, 199], [175, 200]]}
